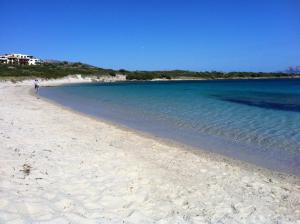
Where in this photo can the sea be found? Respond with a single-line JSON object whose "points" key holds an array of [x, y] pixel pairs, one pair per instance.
{"points": [[255, 120]]}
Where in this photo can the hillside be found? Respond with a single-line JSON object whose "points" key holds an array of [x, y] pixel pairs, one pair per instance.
{"points": [[58, 69], [50, 70]]}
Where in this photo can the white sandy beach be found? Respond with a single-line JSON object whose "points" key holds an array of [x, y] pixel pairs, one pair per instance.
{"points": [[58, 166]]}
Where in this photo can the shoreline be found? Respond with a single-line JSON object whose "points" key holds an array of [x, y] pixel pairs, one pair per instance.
{"points": [[240, 160], [184, 147], [91, 170], [77, 79]]}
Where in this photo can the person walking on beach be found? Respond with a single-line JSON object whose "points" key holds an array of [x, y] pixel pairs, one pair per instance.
{"points": [[36, 85]]}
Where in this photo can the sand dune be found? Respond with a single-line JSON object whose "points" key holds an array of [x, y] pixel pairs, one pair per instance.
{"points": [[58, 166]]}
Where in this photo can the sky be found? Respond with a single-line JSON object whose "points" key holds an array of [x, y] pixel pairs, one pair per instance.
{"points": [[222, 35]]}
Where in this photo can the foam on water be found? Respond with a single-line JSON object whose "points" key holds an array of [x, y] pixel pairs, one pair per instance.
{"points": [[254, 120]]}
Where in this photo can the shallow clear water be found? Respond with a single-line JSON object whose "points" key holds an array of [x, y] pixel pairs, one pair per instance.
{"points": [[254, 120]]}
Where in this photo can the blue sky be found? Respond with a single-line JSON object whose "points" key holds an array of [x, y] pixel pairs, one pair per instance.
{"points": [[227, 35]]}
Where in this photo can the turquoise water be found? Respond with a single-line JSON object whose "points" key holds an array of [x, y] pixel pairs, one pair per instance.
{"points": [[253, 120]]}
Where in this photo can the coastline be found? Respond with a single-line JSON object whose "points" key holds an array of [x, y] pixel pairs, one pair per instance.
{"points": [[232, 151], [182, 146], [72, 79], [145, 179]]}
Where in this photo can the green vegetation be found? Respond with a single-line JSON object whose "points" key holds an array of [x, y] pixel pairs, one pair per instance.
{"points": [[50, 70], [60, 69], [147, 75]]}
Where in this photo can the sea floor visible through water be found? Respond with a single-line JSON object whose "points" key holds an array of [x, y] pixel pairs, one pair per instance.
{"points": [[257, 121]]}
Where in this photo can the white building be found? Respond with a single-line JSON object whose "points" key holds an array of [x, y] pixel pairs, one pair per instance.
{"points": [[34, 61], [20, 59], [3, 59]]}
